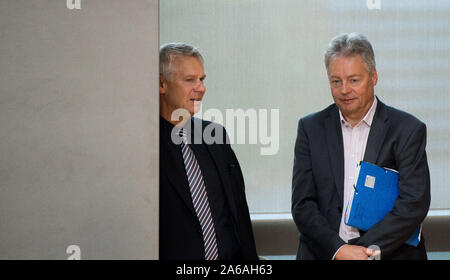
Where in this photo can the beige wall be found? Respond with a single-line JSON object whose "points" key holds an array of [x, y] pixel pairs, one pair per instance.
{"points": [[79, 129]]}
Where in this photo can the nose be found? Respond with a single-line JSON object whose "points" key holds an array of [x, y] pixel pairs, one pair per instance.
{"points": [[345, 88], [200, 86]]}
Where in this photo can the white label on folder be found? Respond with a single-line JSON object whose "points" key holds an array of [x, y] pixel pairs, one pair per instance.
{"points": [[370, 182]]}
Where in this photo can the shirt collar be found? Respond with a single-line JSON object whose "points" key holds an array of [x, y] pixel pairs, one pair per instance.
{"points": [[368, 118]]}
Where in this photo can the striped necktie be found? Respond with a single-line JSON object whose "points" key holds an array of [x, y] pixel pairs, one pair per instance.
{"points": [[199, 198]]}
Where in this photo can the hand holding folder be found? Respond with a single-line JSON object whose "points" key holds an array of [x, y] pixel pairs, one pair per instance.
{"points": [[375, 194]]}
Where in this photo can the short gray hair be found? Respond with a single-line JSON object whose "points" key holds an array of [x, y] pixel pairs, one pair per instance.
{"points": [[348, 45], [167, 52]]}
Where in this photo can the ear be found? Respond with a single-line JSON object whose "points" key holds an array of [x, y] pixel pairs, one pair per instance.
{"points": [[374, 76], [162, 85]]}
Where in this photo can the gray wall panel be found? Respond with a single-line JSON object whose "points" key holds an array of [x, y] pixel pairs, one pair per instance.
{"points": [[79, 129]]}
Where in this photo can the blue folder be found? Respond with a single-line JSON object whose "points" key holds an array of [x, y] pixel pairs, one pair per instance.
{"points": [[375, 193]]}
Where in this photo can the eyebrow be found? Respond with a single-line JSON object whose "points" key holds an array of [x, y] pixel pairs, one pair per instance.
{"points": [[351, 76], [193, 76]]}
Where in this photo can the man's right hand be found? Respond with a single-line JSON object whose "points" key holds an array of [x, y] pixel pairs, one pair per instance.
{"points": [[353, 252]]}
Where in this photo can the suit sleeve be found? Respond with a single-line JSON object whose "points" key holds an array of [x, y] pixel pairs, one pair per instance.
{"points": [[305, 210], [413, 202]]}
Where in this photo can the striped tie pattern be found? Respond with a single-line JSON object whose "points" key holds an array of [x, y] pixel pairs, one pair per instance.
{"points": [[199, 198]]}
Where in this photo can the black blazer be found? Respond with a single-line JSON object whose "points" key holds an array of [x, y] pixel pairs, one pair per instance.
{"points": [[179, 225], [396, 140]]}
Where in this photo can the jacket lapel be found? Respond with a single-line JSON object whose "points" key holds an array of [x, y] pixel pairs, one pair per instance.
{"points": [[335, 149], [217, 155], [216, 151], [380, 126]]}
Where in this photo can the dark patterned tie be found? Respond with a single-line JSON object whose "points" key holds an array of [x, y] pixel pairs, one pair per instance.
{"points": [[199, 198]]}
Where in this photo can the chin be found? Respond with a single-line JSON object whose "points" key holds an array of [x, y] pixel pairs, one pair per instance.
{"points": [[195, 110], [350, 106], [191, 111]]}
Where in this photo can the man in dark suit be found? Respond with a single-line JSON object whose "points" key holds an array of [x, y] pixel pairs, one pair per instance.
{"points": [[203, 208], [358, 126]]}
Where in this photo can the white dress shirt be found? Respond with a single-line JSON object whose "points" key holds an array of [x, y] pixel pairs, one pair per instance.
{"points": [[355, 141]]}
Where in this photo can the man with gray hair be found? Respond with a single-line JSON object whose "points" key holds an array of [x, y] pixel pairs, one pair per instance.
{"points": [[203, 208], [330, 143]]}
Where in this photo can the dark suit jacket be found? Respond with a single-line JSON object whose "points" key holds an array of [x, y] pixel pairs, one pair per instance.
{"points": [[396, 140], [180, 230]]}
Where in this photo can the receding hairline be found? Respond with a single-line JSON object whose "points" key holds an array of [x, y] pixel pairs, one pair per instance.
{"points": [[178, 60], [168, 52]]}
